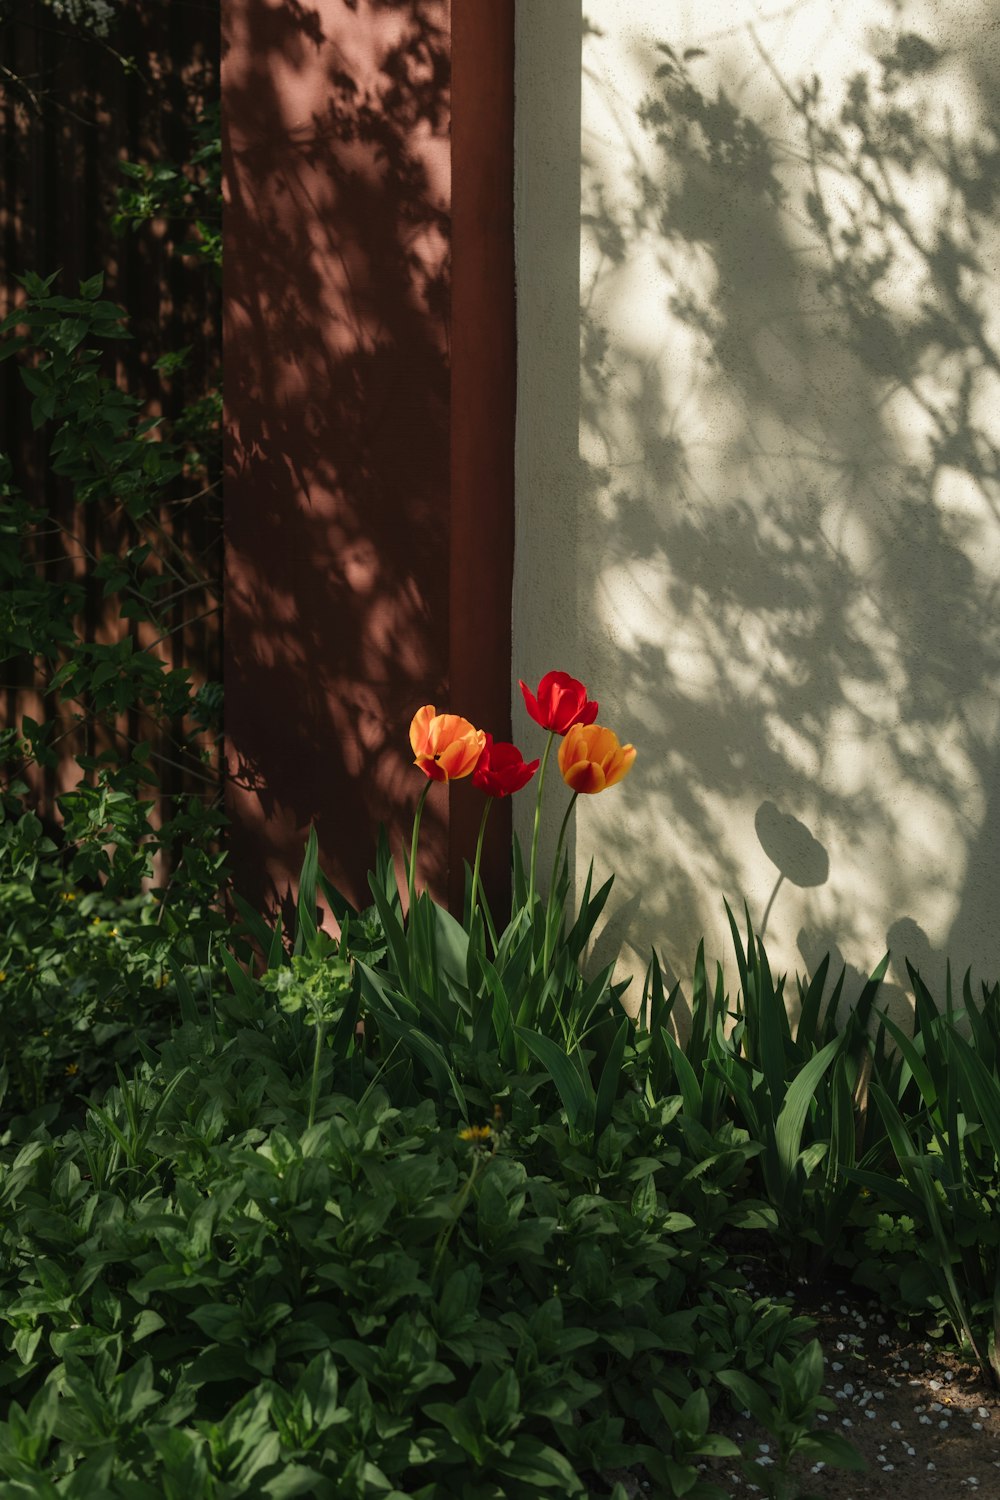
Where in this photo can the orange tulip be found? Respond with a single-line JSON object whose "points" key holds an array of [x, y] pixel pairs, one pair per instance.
{"points": [[591, 759], [446, 746]]}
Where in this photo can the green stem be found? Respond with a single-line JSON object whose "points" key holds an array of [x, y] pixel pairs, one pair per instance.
{"points": [[457, 1209], [549, 924], [314, 1086], [538, 819], [479, 855], [413, 846]]}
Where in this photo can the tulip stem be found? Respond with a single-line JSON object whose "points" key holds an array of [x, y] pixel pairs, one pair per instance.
{"points": [[413, 848], [479, 855], [549, 927], [538, 820]]}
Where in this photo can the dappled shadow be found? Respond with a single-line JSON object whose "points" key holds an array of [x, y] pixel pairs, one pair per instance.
{"points": [[337, 282], [788, 428]]}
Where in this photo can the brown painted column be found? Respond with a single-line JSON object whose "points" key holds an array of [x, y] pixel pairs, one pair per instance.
{"points": [[356, 458]]}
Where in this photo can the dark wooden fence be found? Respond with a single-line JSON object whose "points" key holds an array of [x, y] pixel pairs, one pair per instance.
{"points": [[73, 107]]}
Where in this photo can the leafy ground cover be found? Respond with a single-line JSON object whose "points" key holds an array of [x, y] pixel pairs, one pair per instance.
{"points": [[420, 1212]]}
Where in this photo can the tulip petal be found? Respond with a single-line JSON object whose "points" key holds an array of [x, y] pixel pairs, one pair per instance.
{"points": [[621, 765], [584, 776], [419, 729], [430, 768]]}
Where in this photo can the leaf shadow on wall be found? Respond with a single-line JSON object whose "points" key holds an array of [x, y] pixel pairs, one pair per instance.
{"points": [[797, 491], [337, 381]]}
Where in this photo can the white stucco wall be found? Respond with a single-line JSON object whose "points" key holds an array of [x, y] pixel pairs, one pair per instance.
{"points": [[758, 461]]}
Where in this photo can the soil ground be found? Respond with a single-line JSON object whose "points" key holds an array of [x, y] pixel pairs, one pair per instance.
{"points": [[924, 1420]]}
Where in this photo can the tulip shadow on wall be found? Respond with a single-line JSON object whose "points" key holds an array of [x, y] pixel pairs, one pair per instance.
{"points": [[788, 474], [790, 846]]}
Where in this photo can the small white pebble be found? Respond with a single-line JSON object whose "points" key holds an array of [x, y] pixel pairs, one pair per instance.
{"points": [[848, 1388], [935, 1385], [981, 1411], [895, 1426], [977, 1426], [764, 1447], [932, 1466], [869, 1412], [846, 1422], [925, 1421], [943, 1425], [835, 1365]]}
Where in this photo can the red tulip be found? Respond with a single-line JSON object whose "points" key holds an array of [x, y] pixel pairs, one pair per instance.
{"points": [[561, 702], [502, 769], [446, 746]]}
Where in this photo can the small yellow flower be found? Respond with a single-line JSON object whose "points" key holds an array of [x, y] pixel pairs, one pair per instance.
{"points": [[67, 895], [71, 1070], [475, 1133], [3, 975], [95, 921], [113, 932], [162, 981]]}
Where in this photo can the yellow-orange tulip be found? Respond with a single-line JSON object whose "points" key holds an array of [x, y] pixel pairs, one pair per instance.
{"points": [[446, 746], [591, 759]]}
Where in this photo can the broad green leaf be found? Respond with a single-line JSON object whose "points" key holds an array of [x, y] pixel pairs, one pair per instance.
{"points": [[791, 1121], [577, 1097]]}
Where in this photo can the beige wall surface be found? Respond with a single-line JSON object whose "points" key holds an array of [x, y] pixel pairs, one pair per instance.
{"points": [[758, 462]]}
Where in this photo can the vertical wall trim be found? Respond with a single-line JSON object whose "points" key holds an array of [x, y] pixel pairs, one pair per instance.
{"points": [[483, 392]]}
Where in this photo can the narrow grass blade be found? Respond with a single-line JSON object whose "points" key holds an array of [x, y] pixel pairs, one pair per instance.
{"points": [[393, 929], [305, 925], [810, 1000], [607, 1088]]}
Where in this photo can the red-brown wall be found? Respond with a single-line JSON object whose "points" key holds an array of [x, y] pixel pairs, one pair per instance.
{"points": [[369, 356]]}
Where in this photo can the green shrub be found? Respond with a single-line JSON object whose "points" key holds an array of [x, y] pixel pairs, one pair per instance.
{"points": [[232, 1301]]}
